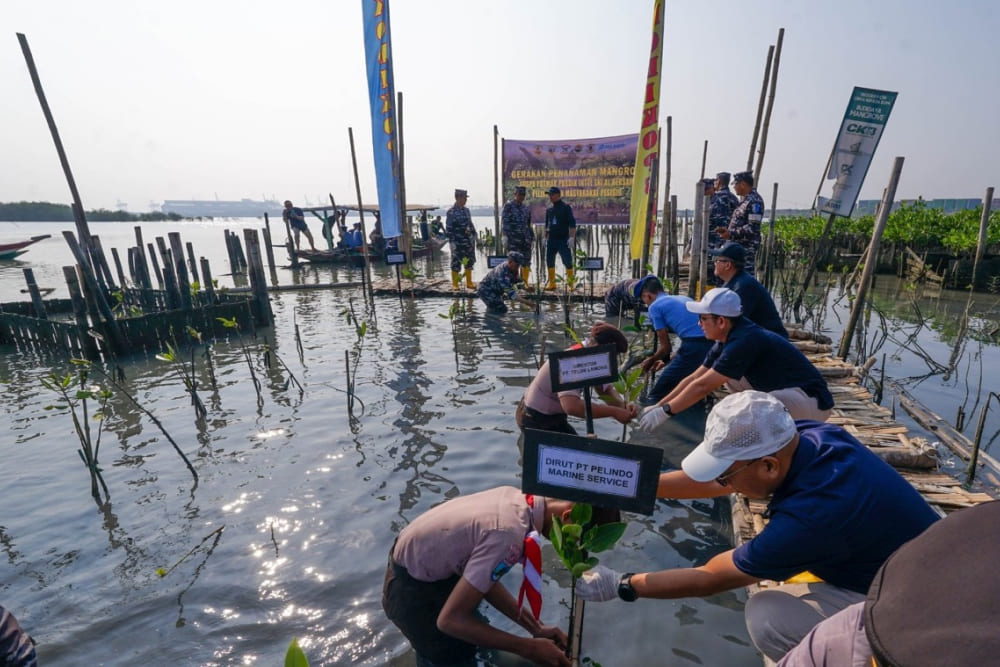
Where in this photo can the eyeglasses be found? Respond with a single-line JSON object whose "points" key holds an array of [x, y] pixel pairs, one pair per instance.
{"points": [[703, 318], [722, 259], [723, 480]]}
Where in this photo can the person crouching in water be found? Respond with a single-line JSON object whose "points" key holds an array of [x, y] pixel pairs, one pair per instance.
{"points": [[499, 282], [543, 409]]}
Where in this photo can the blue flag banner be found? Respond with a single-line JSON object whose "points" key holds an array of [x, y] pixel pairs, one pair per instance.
{"points": [[382, 98]]}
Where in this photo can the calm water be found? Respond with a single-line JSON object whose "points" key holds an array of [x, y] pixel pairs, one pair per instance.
{"points": [[310, 499]]}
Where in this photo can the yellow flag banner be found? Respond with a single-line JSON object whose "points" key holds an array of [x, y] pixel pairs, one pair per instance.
{"points": [[649, 138]]}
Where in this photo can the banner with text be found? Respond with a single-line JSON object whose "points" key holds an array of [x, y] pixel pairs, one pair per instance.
{"points": [[649, 141], [594, 175], [860, 131], [382, 99]]}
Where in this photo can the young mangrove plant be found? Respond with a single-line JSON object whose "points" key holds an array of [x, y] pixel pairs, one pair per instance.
{"points": [[187, 376], [74, 401], [360, 329], [233, 324]]}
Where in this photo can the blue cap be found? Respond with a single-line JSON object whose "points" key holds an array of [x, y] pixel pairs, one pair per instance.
{"points": [[639, 285]]}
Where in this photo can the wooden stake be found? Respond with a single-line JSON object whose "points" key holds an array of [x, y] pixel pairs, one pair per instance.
{"points": [[496, 193], [984, 222], [367, 271], [760, 107], [770, 105], [405, 225]]}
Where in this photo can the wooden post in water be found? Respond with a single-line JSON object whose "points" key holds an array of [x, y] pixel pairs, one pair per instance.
{"points": [[206, 271], [984, 222], [367, 270], [697, 236], [769, 247], [101, 268], [88, 346], [141, 259], [675, 268], [81, 220], [255, 271], [169, 276], [180, 270], [496, 193], [770, 105], [866, 275], [814, 260], [118, 268], [667, 237], [101, 303], [405, 225], [156, 265], [36, 294], [268, 245], [192, 264], [760, 107]]}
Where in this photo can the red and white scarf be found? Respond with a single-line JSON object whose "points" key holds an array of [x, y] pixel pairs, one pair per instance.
{"points": [[531, 561]]}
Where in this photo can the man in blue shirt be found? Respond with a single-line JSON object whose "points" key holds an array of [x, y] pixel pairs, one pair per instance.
{"points": [[835, 510], [757, 302], [744, 354], [669, 314]]}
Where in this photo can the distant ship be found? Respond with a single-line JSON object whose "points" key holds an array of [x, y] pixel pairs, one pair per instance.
{"points": [[218, 208]]}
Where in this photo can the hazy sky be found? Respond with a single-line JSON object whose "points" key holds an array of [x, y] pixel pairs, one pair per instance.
{"points": [[218, 98]]}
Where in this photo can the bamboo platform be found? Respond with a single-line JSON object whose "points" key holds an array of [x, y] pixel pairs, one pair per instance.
{"points": [[441, 288], [913, 457]]}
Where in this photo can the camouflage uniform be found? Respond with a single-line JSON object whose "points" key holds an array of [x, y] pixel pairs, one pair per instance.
{"points": [[462, 236], [720, 212], [497, 284], [620, 299], [744, 227], [516, 220]]}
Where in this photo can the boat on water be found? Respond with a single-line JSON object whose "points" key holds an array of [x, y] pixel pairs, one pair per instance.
{"points": [[356, 256], [12, 250]]}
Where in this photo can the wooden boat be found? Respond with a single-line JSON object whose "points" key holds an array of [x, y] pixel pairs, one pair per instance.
{"points": [[12, 250], [335, 256]]}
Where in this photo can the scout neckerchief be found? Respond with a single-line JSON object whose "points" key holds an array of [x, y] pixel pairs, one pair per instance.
{"points": [[532, 564]]}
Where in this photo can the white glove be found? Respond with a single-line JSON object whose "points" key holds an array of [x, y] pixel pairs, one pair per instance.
{"points": [[598, 584], [652, 418]]}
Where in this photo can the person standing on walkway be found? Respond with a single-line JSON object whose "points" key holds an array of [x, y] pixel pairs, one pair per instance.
{"points": [[560, 232], [836, 511], [296, 219], [745, 356], [756, 300], [721, 207], [462, 236], [668, 313], [744, 225], [499, 283], [516, 221]]}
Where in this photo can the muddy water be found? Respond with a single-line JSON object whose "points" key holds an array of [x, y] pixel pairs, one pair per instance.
{"points": [[310, 499]]}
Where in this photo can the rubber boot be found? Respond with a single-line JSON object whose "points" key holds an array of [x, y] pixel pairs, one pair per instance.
{"points": [[454, 280], [570, 272], [525, 276], [551, 285], [468, 279]]}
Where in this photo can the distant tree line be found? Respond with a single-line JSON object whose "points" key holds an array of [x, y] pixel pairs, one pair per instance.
{"points": [[43, 211]]}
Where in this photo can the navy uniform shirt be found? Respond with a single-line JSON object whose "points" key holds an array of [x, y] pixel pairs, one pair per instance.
{"points": [[757, 303], [516, 225], [744, 225], [767, 361], [720, 212]]}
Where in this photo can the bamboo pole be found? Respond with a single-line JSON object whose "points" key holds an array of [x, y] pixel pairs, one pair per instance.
{"points": [[666, 237], [760, 106], [650, 212], [496, 193], [405, 225], [984, 222], [769, 247], [82, 230], [696, 241], [90, 282], [367, 271], [704, 157], [814, 260], [866, 275], [675, 274], [770, 105], [268, 247]]}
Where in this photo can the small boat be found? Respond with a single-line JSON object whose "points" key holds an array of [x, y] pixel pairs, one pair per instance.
{"points": [[12, 250], [335, 256]]}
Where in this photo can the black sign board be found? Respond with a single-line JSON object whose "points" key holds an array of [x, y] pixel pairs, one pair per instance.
{"points": [[589, 470], [584, 367], [395, 257], [591, 263], [495, 260]]}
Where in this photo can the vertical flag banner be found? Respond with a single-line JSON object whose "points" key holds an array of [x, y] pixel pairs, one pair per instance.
{"points": [[649, 137], [867, 113], [382, 99]]}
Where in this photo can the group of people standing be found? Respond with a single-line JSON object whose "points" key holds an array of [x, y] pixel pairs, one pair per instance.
{"points": [[735, 217]]}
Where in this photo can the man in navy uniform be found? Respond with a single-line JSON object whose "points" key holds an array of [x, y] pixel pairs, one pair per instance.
{"points": [[462, 236], [756, 300], [721, 208], [744, 225], [560, 231], [516, 221]]}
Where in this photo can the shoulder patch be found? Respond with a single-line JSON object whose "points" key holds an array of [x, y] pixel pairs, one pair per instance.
{"points": [[501, 568]]}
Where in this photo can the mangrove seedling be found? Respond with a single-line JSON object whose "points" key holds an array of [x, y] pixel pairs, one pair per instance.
{"points": [[172, 357], [629, 386], [411, 273], [233, 324], [74, 401]]}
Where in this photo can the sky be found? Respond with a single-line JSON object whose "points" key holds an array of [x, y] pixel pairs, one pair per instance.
{"points": [[223, 99]]}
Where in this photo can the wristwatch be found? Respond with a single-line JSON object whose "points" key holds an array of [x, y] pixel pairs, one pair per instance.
{"points": [[666, 409], [625, 590]]}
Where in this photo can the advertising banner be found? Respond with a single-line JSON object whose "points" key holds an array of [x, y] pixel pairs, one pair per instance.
{"points": [[382, 99], [860, 131], [649, 138], [594, 175]]}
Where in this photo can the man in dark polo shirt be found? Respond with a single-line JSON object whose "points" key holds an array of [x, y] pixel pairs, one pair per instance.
{"points": [[560, 232], [451, 558], [744, 353], [835, 510], [757, 302]]}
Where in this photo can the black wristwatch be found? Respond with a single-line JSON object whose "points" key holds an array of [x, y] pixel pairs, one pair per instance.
{"points": [[625, 590], [666, 408]]}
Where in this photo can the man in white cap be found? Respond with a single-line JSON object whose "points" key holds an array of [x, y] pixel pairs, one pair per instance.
{"points": [[835, 510], [744, 354]]}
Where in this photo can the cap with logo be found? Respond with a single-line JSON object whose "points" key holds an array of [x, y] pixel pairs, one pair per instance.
{"points": [[723, 176], [741, 427], [553, 191], [744, 177], [717, 301], [732, 251], [520, 190], [461, 193], [516, 256]]}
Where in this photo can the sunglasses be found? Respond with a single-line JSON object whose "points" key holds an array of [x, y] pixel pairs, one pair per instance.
{"points": [[723, 480]]}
